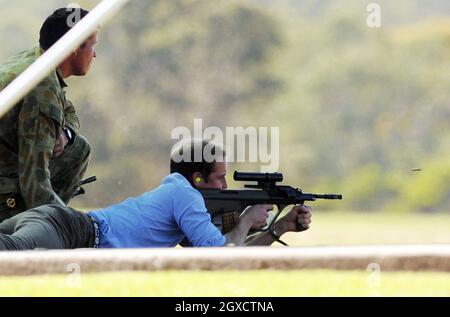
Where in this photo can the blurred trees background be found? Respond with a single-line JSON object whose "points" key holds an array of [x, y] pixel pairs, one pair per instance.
{"points": [[357, 107]]}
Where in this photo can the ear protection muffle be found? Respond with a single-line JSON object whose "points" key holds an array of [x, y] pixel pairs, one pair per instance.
{"points": [[198, 180]]}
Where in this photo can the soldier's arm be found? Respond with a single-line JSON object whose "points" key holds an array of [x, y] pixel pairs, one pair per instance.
{"points": [[71, 117], [39, 124]]}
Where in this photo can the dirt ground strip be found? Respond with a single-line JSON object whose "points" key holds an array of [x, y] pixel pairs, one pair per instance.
{"points": [[385, 258]]}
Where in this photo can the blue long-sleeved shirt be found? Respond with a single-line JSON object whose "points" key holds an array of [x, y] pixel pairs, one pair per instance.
{"points": [[160, 218]]}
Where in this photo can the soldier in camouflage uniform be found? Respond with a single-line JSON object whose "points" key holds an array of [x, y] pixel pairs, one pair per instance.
{"points": [[42, 156]]}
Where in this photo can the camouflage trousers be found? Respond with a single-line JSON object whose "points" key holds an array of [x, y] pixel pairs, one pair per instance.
{"points": [[66, 171]]}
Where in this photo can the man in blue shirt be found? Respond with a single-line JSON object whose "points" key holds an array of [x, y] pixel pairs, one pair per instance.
{"points": [[160, 218]]}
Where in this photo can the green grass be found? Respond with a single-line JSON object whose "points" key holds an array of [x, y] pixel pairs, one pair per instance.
{"points": [[339, 228], [232, 283], [331, 228]]}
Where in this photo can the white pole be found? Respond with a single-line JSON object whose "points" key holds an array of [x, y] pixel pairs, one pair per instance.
{"points": [[55, 55]]}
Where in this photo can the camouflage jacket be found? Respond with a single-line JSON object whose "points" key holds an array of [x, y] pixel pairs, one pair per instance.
{"points": [[29, 130]]}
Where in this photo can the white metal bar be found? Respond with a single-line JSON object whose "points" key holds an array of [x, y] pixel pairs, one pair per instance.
{"points": [[54, 56], [387, 257]]}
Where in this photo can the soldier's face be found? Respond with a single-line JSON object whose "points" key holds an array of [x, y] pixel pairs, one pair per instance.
{"points": [[216, 180], [85, 55]]}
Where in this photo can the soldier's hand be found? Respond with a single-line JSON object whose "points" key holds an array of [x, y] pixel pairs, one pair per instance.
{"points": [[258, 215], [304, 218], [298, 219], [60, 144]]}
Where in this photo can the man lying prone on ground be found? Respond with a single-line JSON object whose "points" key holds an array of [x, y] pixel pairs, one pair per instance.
{"points": [[160, 218]]}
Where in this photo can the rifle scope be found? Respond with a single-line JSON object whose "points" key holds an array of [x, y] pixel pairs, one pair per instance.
{"points": [[258, 177]]}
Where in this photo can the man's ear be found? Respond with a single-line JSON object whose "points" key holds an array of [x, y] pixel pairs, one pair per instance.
{"points": [[197, 178], [72, 57], [74, 53]]}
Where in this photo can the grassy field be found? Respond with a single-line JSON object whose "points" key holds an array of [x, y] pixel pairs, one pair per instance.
{"points": [[222, 284], [339, 228], [328, 229]]}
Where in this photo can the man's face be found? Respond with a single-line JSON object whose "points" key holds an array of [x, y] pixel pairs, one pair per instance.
{"points": [[85, 55], [216, 180]]}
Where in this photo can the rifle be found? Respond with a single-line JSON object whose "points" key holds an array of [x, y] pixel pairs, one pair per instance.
{"points": [[81, 190], [226, 205]]}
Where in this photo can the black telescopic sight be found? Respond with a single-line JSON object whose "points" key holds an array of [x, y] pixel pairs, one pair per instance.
{"points": [[258, 177]]}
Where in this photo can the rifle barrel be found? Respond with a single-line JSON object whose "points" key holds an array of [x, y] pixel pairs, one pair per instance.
{"points": [[88, 180], [327, 196]]}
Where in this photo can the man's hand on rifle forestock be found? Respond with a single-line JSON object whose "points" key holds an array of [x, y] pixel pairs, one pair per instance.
{"points": [[298, 219]]}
